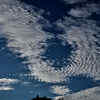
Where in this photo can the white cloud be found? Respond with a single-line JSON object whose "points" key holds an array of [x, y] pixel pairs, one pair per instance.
{"points": [[89, 94], [60, 90], [74, 1], [6, 88], [5, 81], [5, 84], [79, 13], [85, 11]]}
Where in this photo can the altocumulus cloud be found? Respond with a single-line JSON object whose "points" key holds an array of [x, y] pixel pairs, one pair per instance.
{"points": [[26, 36]]}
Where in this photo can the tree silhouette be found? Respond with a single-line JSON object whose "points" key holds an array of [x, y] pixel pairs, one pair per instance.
{"points": [[41, 98]]}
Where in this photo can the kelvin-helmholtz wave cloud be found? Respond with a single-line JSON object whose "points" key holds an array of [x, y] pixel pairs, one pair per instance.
{"points": [[57, 44]]}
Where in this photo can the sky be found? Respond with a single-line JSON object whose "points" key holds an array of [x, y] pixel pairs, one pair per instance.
{"points": [[52, 44]]}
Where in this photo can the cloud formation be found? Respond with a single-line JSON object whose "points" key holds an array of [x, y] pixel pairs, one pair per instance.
{"points": [[27, 37], [5, 84]]}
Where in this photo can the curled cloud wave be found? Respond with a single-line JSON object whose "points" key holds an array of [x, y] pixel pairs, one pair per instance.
{"points": [[86, 58], [25, 36]]}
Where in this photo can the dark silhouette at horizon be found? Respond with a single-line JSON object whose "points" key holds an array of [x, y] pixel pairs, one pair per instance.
{"points": [[41, 98]]}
